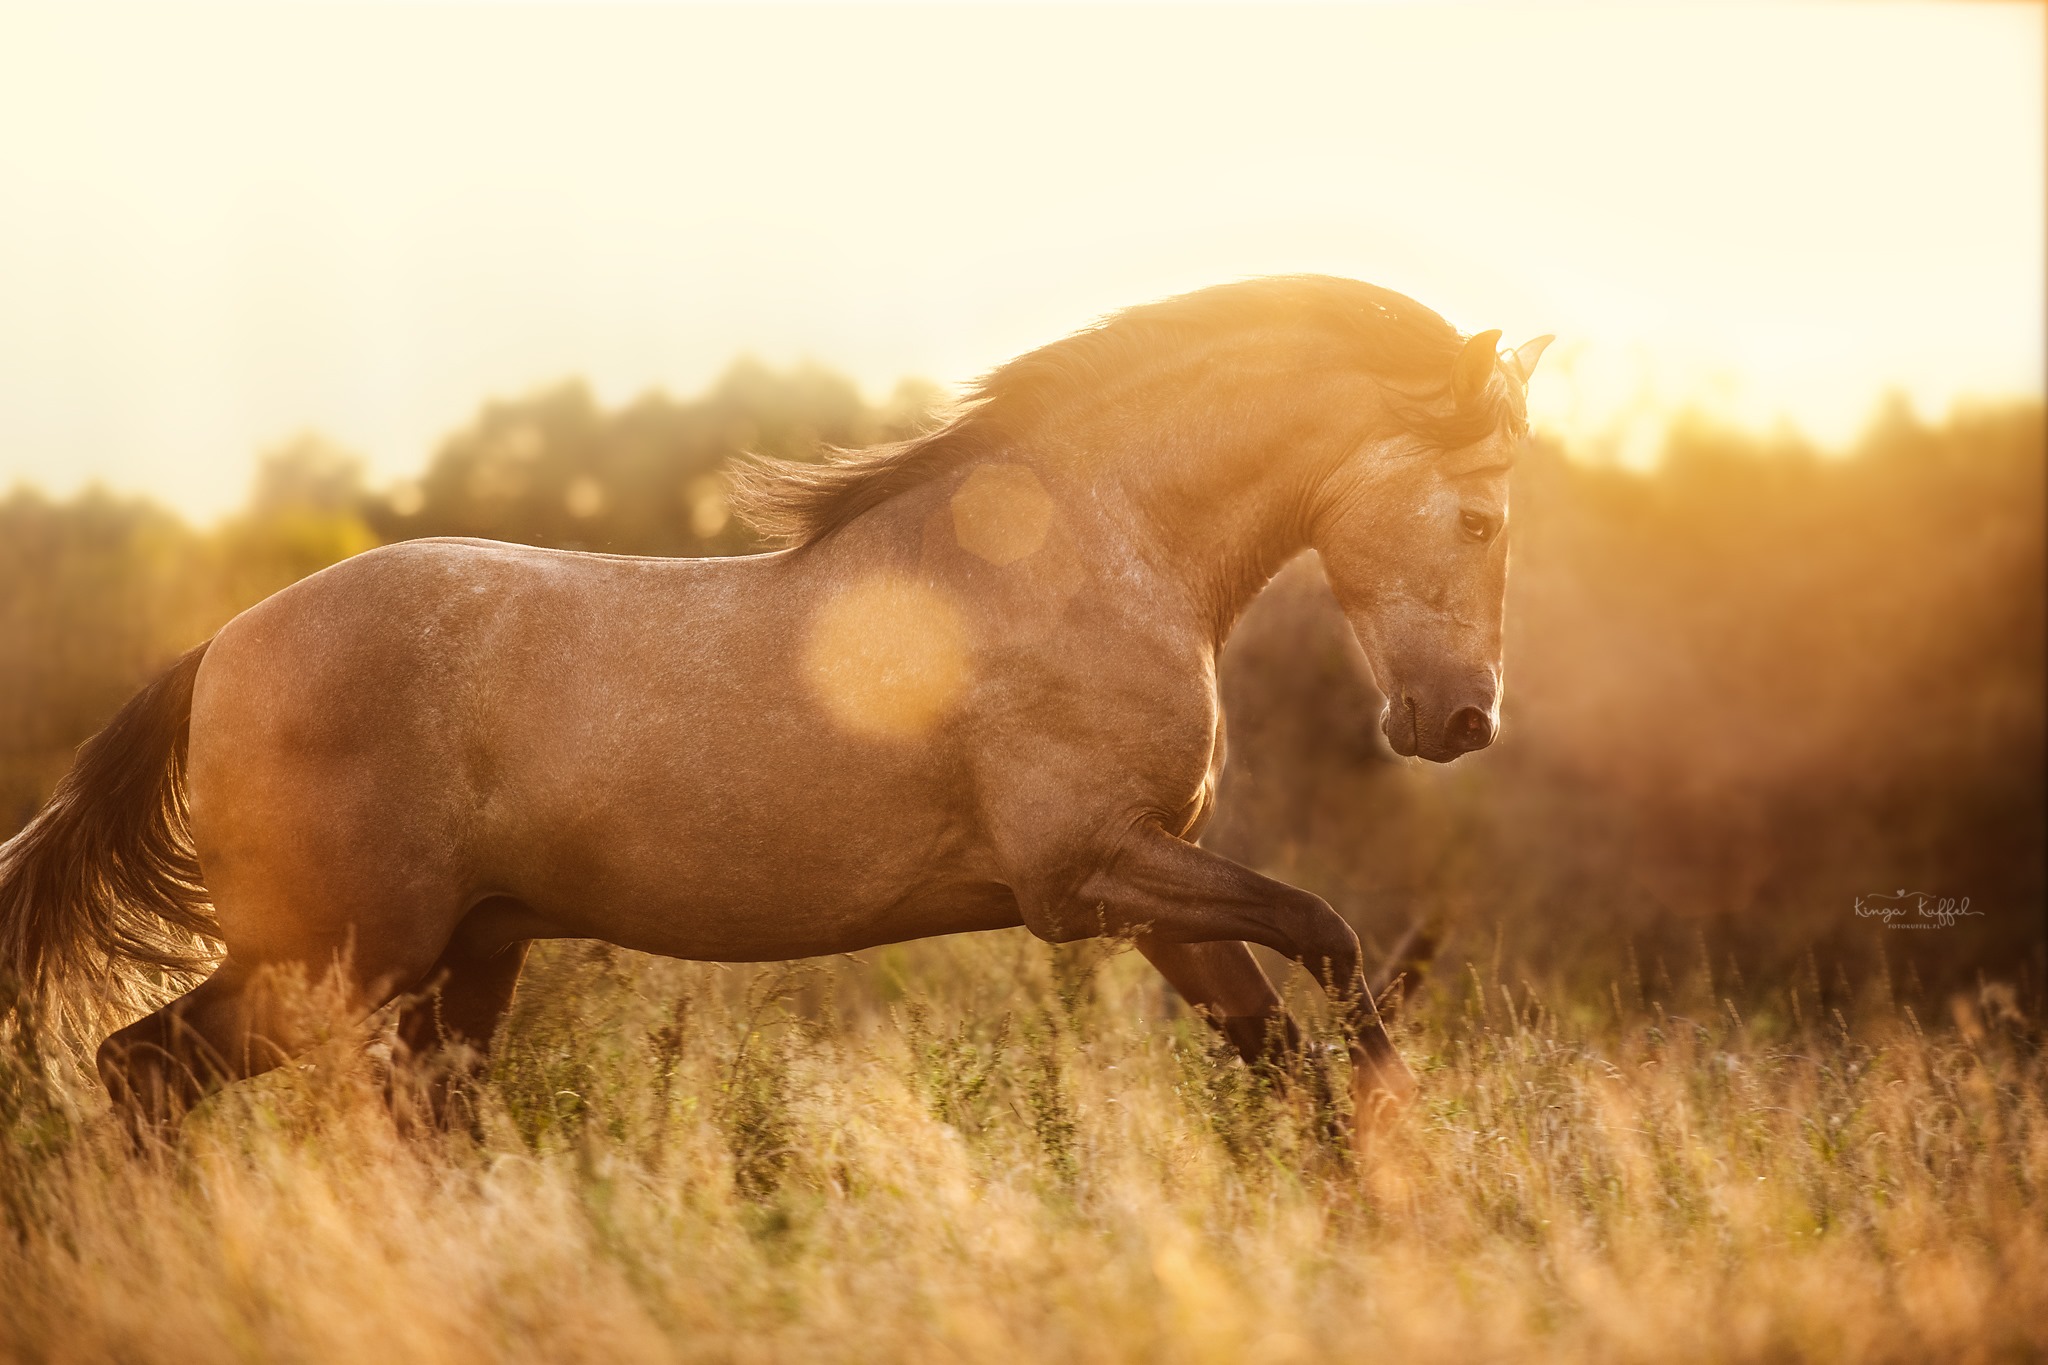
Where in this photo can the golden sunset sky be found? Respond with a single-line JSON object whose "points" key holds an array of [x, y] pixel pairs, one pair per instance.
{"points": [[223, 226]]}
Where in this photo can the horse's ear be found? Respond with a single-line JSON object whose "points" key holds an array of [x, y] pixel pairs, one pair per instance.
{"points": [[1474, 367], [1528, 353]]}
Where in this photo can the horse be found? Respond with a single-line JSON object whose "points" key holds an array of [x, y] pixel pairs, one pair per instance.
{"points": [[974, 688]]}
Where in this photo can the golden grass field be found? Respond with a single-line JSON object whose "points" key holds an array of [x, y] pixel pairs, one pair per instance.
{"points": [[985, 1149], [1746, 690]]}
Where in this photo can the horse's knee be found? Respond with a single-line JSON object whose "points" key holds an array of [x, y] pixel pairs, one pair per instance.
{"points": [[1330, 948]]}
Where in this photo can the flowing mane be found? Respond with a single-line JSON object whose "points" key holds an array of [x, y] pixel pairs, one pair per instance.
{"points": [[1392, 336]]}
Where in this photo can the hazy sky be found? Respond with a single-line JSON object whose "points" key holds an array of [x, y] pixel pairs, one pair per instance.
{"points": [[219, 227]]}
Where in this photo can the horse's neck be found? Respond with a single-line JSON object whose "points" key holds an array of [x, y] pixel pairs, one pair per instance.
{"points": [[1218, 494]]}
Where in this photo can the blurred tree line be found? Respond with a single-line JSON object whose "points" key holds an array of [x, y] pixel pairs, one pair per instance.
{"points": [[1743, 688], [556, 469]]}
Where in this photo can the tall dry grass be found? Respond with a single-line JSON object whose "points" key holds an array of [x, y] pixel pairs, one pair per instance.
{"points": [[1744, 690], [984, 1149]]}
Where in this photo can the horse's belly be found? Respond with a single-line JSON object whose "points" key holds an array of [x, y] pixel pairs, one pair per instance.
{"points": [[747, 870], [746, 919], [715, 928]]}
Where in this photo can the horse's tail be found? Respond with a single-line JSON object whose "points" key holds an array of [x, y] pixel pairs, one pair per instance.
{"points": [[102, 911]]}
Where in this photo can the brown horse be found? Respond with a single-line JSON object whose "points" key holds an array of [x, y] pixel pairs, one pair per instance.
{"points": [[977, 690]]}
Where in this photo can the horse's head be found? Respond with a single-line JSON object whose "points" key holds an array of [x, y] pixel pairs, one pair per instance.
{"points": [[1412, 531]]}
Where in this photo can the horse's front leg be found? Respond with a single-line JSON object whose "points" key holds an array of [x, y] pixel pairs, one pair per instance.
{"points": [[1165, 891]]}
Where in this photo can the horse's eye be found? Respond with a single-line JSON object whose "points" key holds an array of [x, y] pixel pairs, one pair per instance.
{"points": [[1476, 526]]}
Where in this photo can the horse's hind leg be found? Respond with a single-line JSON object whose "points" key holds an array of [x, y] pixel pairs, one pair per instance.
{"points": [[445, 1030], [235, 1024]]}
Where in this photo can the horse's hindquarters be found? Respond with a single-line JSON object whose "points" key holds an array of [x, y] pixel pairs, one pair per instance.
{"points": [[332, 800]]}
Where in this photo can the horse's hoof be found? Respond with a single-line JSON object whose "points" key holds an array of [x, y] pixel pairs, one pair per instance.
{"points": [[1381, 1091]]}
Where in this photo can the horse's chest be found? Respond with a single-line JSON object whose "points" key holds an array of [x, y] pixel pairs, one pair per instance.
{"points": [[1194, 812], [1182, 761]]}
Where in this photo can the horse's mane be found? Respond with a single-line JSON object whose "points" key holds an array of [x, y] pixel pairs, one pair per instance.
{"points": [[1391, 336]]}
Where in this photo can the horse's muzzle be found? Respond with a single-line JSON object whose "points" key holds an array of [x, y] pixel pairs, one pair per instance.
{"points": [[1467, 729]]}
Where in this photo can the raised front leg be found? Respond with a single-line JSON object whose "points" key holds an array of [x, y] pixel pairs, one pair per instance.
{"points": [[1166, 892]]}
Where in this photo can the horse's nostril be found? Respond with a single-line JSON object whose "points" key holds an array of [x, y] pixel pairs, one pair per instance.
{"points": [[1469, 728]]}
